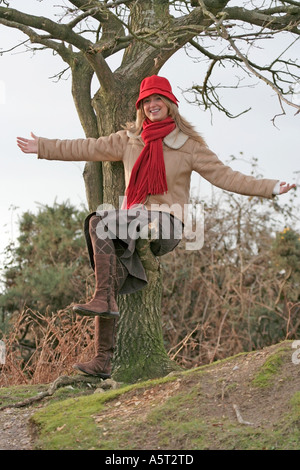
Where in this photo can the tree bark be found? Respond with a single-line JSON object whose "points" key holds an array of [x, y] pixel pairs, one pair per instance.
{"points": [[82, 74], [140, 352]]}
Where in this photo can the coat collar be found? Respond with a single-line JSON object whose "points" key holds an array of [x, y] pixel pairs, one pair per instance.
{"points": [[175, 140]]}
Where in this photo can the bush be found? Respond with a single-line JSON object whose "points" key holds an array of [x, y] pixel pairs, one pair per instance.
{"points": [[46, 269], [241, 290]]}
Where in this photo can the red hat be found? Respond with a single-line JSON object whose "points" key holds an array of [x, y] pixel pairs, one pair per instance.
{"points": [[155, 85]]}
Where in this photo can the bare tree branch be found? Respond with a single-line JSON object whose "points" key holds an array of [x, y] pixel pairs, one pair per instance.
{"points": [[284, 73], [149, 39], [289, 22], [256, 73], [59, 47], [111, 24], [83, 16], [25, 23], [58, 31]]}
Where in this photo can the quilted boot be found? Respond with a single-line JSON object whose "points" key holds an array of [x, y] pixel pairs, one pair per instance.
{"points": [[103, 302], [100, 365]]}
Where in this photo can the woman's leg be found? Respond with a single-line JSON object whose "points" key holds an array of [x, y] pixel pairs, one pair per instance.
{"points": [[109, 275], [105, 325], [104, 340]]}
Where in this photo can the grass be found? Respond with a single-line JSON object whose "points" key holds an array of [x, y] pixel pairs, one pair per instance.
{"points": [[179, 423], [266, 375], [193, 416], [11, 395], [75, 417]]}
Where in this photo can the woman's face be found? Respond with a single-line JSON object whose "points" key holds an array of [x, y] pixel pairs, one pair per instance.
{"points": [[154, 108]]}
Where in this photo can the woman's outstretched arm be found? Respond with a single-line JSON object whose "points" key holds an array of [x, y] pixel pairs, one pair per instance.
{"points": [[106, 148]]}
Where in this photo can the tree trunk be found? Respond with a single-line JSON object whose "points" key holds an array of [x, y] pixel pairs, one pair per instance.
{"points": [[82, 74], [140, 352]]}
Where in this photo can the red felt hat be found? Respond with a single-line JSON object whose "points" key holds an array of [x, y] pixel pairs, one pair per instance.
{"points": [[155, 85]]}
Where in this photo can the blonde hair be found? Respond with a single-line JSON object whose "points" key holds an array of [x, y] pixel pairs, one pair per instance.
{"points": [[181, 123]]}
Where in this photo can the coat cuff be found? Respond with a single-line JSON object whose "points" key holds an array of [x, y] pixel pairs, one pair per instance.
{"points": [[276, 189]]}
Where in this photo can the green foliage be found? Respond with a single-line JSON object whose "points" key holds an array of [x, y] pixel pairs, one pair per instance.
{"points": [[47, 267]]}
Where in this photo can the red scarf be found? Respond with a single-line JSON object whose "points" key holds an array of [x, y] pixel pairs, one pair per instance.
{"points": [[148, 174]]}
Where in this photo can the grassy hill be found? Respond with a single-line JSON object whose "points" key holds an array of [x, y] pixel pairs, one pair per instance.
{"points": [[250, 401]]}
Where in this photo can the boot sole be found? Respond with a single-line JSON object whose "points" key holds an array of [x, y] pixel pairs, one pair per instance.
{"points": [[91, 313], [100, 374]]}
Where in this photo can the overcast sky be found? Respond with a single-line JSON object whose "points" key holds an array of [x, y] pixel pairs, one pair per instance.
{"points": [[31, 101]]}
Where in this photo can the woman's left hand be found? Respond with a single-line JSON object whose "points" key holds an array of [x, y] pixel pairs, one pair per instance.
{"points": [[284, 187]]}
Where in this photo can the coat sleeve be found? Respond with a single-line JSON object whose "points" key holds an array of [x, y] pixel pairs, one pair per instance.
{"points": [[208, 165], [110, 148]]}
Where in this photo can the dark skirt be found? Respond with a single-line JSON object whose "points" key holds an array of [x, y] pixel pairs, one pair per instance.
{"points": [[124, 227]]}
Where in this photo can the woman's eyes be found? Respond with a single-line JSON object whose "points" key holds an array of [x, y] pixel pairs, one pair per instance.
{"points": [[147, 100]]}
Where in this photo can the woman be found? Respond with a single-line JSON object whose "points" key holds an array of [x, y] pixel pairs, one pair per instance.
{"points": [[159, 153]]}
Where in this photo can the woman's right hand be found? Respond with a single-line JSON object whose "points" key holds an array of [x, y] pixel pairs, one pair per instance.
{"points": [[28, 145]]}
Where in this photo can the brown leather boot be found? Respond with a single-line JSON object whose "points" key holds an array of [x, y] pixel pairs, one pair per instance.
{"points": [[100, 365], [103, 302]]}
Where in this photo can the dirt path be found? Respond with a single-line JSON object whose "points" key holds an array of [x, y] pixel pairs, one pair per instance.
{"points": [[14, 422], [14, 429]]}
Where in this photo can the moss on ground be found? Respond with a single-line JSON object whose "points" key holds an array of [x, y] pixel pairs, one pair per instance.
{"points": [[266, 374], [15, 394], [70, 424], [180, 424], [184, 411]]}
